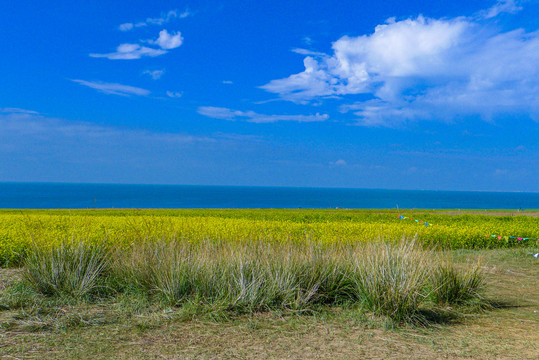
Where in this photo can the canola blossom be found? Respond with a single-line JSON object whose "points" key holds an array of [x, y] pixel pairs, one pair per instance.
{"points": [[121, 228]]}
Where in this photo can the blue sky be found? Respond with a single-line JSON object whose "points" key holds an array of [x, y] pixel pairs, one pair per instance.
{"points": [[367, 94]]}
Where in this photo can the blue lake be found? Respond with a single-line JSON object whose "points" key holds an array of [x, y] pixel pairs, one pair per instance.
{"points": [[62, 196]]}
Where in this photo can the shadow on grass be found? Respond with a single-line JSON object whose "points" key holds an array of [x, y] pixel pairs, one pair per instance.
{"points": [[500, 305], [436, 317], [433, 317]]}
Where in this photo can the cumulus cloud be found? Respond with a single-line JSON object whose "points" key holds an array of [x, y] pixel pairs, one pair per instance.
{"points": [[422, 68], [251, 116], [174, 94], [113, 88], [154, 74], [163, 19], [413, 47], [130, 52], [168, 41]]}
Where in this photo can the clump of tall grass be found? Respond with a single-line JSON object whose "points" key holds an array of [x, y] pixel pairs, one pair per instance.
{"points": [[389, 278], [455, 286], [246, 276], [72, 268], [165, 268]]}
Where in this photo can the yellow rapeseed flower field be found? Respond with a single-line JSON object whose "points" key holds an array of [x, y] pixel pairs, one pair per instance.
{"points": [[121, 228]]}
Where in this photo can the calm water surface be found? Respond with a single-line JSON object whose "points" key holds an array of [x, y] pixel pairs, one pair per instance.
{"points": [[61, 196]]}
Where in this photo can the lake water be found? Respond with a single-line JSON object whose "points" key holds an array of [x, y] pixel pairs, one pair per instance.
{"points": [[62, 196]]}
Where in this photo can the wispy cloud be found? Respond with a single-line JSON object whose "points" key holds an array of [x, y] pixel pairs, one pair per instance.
{"points": [[165, 40], [307, 40], [307, 52], [154, 74], [43, 148], [163, 19], [130, 52], [113, 88], [126, 27], [251, 116], [186, 13], [174, 94], [18, 111], [30, 124], [423, 68], [228, 82], [339, 162], [502, 6]]}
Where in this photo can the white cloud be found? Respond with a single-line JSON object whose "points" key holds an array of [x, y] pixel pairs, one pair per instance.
{"points": [[186, 13], [168, 41], [251, 116], [42, 148], [174, 94], [307, 52], [423, 68], [18, 111], [163, 19], [130, 52], [125, 27], [339, 162], [407, 48], [228, 82], [307, 40], [113, 88], [218, 112], [154, 74], [29, 124], [502, 6]]}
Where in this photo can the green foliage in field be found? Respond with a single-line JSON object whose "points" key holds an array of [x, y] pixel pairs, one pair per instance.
{"points": [[120, 228]]}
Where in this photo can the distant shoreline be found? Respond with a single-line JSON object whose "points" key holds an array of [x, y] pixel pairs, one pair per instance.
{"points": [[208, 211]]}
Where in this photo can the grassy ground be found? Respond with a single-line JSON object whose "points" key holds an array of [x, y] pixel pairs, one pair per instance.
{"points": [[125, 330]]}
